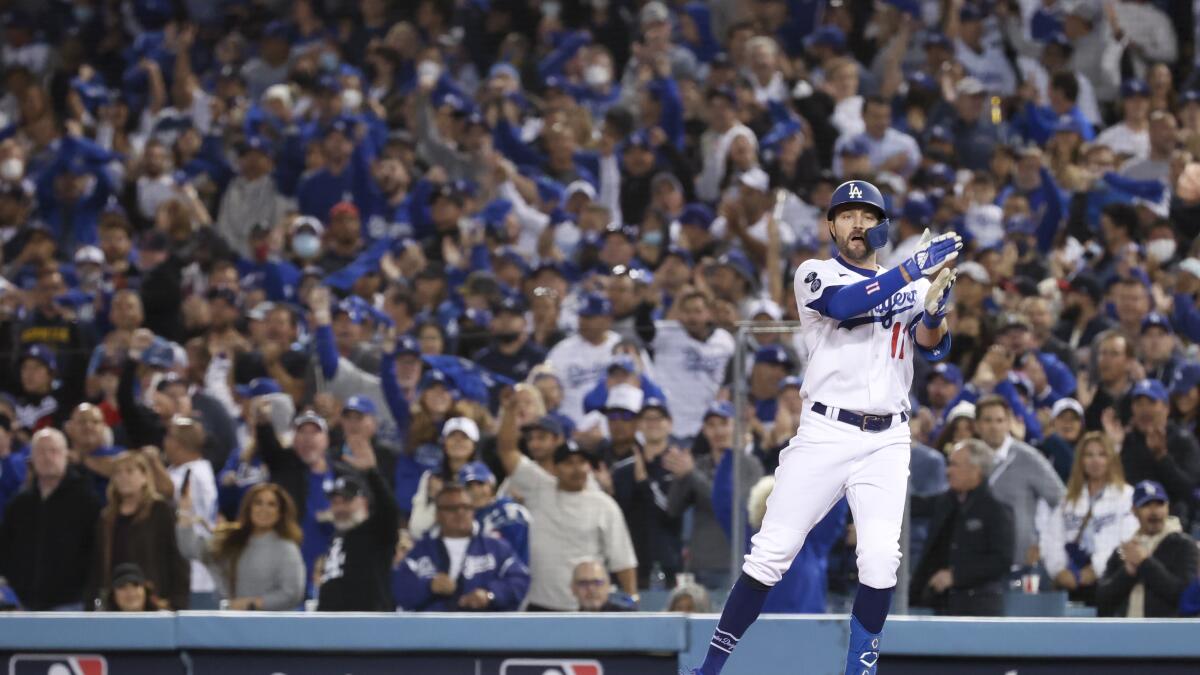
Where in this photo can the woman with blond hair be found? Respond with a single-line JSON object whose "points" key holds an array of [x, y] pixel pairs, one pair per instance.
{"points": [[138, 526], [1094, 518], [256, 561]]}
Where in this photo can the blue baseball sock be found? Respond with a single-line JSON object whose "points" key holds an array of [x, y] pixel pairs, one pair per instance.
{"points": [[866, 627], [741, 609]]}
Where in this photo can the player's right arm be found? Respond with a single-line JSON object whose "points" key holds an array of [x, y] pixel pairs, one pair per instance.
{"points": [[845, 301]]}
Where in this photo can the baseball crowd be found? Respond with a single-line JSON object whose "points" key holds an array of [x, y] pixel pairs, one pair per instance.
{"points": [[430, 305]]}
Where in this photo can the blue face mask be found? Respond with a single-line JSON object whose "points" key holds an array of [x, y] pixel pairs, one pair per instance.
{"points": [[328, 62], [653, 238], [306, 245]]}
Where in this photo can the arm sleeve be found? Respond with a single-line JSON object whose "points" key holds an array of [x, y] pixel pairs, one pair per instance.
{"points": [[618, 546], [289, 578], [556, 60], [394, 395], [1167, 583], [1113, 587], [511, 582], [268, 448], [671, 117], [327, 352], [818, 290], [610, 186], [385, 519], [1187, 316], [1050, 542], [191, 545], [1177, 470], [1047, 229]]}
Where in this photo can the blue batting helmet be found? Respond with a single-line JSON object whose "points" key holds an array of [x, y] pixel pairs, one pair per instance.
{"points": [[862, 192]]}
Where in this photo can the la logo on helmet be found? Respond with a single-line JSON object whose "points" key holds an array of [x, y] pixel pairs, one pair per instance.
{"points": [[855, 191]]}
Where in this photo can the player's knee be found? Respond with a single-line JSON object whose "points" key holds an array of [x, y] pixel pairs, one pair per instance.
{"points": [[762, 571], [877, 566]]}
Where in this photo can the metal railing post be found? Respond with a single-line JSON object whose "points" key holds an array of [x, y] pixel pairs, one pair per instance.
{"points": [[737, 517]]}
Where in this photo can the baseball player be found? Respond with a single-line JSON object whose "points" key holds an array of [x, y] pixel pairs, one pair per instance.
{"points": [[862, 326]]}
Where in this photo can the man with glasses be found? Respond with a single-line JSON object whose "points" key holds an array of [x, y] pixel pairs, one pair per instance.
{"points": [[457, 566], [592, 587]]}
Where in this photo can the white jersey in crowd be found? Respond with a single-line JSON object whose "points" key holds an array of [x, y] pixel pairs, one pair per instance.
{"points": [[1112, 522], [580, 364], [1125, 141], [202, 487], [864, 363], [690, 371]]}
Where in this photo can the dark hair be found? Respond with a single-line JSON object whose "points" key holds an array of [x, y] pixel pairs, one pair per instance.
{"points": [[1123, 216], [1067, 84], [876, 99], [992, 401], [451, 487], [231, 540]]}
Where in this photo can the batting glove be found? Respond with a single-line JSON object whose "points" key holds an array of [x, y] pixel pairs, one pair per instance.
{"points": [[938, 298], [932, 255]]}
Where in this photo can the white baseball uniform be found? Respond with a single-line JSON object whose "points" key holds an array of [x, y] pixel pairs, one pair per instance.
{"points": [[580, 365], [864, 365]]}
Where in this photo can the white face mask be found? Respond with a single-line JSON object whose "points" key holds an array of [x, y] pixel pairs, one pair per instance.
{"points": [[306, 245], [351, 101], [12, 169], [597, 75], [428, 71], [1160, 250]]}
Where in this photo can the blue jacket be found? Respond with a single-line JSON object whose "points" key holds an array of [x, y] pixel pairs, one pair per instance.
{"points": [[491, 564], [509, 521]]}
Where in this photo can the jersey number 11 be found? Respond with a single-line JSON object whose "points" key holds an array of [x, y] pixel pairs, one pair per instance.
{"points": [[898, 340]]}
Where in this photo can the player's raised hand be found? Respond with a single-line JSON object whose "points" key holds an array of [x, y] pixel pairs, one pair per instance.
{"points": [[930, 258], [937, 300]]}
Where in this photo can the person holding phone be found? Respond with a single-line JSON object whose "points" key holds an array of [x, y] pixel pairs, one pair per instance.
{"points": [[191, 474]]}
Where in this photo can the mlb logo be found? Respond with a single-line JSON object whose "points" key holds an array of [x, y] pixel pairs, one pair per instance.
{"points": [[550, 667], [57, 664]]}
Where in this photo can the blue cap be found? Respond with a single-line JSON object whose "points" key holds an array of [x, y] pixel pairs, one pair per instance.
{"points": [[948, 372], [858, 146], [726, 92], [1156, 320], [1186, 379], [259, 386], [341, 125], [594, 304], [679, 252], [276, 29], [41, 353], [938, 39], [1148, 491], [351, 309], [1150, 388], [970, 13], [475, 472], [508, 254], [697, 214], [407, 344], [791, 381], [736, 260], [656, 403], [719, 409], [623, 362], [919, 79], [781, 132], [550, 190], [547, 423], [479, 317], [917, 209], [912, 7], [774, 355], [495, 212], [940, 133], [435, 378], [255, 144], [359, 404], [639, 139], [504, 68], [1068, 124], [1189, 96], [1134, 87], [1020, 224], [942, 172], [159, 354], [510, 304], [827, 36]]}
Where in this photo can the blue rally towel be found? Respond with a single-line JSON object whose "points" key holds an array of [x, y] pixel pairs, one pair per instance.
{"points": [[473, 382]]}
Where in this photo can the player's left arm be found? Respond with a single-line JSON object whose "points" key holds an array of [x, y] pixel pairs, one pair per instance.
{"points": [[931, 333]]}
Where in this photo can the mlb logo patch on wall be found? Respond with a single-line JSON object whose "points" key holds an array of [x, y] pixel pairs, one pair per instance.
{"points": [[550, 667], [57, 664]]}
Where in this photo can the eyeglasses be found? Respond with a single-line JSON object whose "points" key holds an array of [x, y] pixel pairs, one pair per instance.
{"points": [[456, 508], [590, 583], [621, 415]]}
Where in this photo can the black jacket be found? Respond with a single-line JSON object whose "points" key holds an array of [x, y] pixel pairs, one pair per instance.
{"points": [[1178, 471], [46, 545], [287, 470], [162, 298], [1168, 570], [657, 537], [974, 539], [356, 576]]}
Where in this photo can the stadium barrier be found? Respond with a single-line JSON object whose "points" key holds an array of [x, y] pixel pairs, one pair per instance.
{"points": [[241, 643]]}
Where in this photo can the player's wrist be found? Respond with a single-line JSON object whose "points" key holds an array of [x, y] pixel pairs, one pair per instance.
{"points": [[910, 270], [932, 321]]}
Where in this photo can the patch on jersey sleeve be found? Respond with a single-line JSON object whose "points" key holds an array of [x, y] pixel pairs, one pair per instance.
{"points": [[816, 284], [809, 278]]}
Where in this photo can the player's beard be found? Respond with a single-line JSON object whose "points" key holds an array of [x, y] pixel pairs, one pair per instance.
{"points": [[854, 247]]}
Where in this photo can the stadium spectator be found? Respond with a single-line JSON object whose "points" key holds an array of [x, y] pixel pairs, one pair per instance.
{"points": [[191, 473], [457, 566], [256, 560], [1066, 427], [1093, 518], [355, 571], [1019, 477], [1157, 450], [497, 516], [48, 530], [138, 526], [592, 587], [706, 483], [965, 567], [460, 437], [1147, 574], [573, 520], [13, 460], [131, 592]]}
